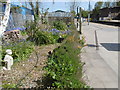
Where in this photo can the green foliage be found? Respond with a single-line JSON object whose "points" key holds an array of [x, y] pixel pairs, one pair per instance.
{"points": [[31, 28], [118, 3], [8, 86], [85, 13], [59, 25], [23, 33], [82, 41], [98, 5], [41, 37], [63, 65], [95, 12], [73, 12], [20, 50], [107, 4]]}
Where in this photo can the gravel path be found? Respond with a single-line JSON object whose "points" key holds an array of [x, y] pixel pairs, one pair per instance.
{"points": [[27, 73]]}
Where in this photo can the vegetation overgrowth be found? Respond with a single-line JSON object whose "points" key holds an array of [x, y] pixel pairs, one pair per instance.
{"points": [[21, 50], [64, 68], [44, 36]]}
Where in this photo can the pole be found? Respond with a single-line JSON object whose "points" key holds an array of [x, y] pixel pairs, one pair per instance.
{"points": [[89, 13], [80, 23], [88, 18], [77, 16], [96, 41]]}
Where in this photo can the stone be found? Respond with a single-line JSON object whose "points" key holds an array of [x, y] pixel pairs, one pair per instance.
{"points": [[8, 59]]}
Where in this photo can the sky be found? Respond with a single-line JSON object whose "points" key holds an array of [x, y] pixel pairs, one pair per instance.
{"points": [[65, 6], [61, 4]]}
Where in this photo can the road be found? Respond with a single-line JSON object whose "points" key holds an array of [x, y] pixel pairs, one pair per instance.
{"points": [[101, 68]]}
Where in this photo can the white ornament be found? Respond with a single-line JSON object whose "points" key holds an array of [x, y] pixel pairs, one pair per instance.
{"points": [[9, 59]]}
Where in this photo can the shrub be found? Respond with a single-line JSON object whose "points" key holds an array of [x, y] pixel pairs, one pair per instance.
{"points": [[59, 25], [41, 37], [64, 64]]}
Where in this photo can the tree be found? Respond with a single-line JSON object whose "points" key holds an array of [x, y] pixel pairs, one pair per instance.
{"points": [[118, 3], [35, 7], [73, 7], [85, 13], [107, 4], [95, 12], [98, 5]]}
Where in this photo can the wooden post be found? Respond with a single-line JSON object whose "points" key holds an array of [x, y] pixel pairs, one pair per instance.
{"points": [[80, 23]]}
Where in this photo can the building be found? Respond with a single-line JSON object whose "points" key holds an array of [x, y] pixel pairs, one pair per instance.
{"points": [[60, 15], [112, 13]]}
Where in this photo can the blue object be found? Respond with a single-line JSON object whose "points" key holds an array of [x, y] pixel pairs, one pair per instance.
{"points": [[21, 29]]}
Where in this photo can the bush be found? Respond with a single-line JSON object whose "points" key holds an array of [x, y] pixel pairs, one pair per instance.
{"points": [[63, 65], [41, 37], [20, 50], [59, 25]]}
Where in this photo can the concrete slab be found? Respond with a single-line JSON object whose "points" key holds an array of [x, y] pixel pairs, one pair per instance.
{"points": [[101, 68]]}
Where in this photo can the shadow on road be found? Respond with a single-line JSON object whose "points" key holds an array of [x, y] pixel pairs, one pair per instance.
{"points": [[111, 46], [91, 45]]}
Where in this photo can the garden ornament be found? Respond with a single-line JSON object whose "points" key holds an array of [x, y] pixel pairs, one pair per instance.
{"points": [[8, 59]]}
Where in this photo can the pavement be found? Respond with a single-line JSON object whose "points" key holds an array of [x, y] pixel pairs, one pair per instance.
{"points": [[101, 68]]}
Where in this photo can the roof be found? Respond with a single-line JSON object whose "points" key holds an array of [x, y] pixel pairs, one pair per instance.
{"points": [[59, 13]]}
